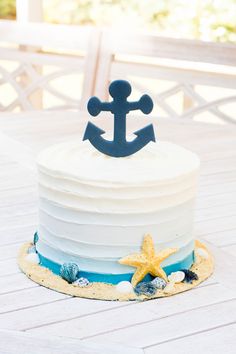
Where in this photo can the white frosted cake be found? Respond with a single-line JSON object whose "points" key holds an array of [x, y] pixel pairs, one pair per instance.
{"points": [[116, 212], [95, 209]]}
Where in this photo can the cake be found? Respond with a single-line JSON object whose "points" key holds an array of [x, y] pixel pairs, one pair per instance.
{"points": [[117, 215], [94, 209]]}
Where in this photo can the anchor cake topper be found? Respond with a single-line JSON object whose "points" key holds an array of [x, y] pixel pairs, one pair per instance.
{"points": [[120, 107]]}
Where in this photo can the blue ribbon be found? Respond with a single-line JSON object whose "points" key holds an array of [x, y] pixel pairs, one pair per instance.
{"points": [[116, 278]]}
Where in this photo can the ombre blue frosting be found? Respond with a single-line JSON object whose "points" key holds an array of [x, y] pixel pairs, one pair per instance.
{"points": [[116, 278]]}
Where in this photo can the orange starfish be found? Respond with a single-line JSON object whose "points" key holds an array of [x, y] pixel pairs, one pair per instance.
{"points": [[147, 262]]}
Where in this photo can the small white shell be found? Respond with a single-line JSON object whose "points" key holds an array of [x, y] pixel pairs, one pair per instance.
{"points": [[124, 287], [202, 253], [176, 277], [81, 282], [169, 288], [32, 258]]}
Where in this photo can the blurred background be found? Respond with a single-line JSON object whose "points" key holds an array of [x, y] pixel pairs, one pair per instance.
{"points": [[211, 20]]}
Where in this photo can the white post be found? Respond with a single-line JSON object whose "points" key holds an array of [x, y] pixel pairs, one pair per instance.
{"points": [[29, 10]]}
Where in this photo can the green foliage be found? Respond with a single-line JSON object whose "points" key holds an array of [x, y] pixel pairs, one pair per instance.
{"points": [[202, 19], [8, 9]]}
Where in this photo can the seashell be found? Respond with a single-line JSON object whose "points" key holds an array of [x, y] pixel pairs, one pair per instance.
{"points": [[169, 288], [176, 277], [36, 238], [189, 276], [159, 283], [69, 271], [82, 282], [32, 258], [202, 253], [145, 288], [32, 249], [124, 287]]}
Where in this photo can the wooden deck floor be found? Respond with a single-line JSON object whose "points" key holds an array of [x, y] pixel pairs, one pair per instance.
{"points": [[37, 320]]}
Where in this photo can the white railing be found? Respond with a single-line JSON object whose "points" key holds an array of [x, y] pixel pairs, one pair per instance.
{"points": [[39, 60], [186, 78], [200, 75]]}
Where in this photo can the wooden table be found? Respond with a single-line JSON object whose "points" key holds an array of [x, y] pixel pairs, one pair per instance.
{"points": [[37, 320]]}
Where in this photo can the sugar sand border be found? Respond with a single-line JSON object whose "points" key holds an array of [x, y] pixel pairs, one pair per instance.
{"points": [[203, 267]]}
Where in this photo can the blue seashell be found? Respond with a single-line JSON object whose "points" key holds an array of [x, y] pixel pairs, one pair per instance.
{"points": [[159, 283], [36, 238], [145, 288], [81, 282], [32, 249], [189, 276], [69, 271]]}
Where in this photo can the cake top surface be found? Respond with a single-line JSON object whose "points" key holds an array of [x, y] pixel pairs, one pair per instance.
{"points": [[160, 161]]}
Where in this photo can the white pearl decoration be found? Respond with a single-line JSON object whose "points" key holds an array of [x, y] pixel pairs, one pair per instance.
{"points": [[176, 277], [32, 258], [124, 287]]}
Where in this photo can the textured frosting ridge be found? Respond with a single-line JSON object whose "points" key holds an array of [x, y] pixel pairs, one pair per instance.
{"points": [[96, 209]]}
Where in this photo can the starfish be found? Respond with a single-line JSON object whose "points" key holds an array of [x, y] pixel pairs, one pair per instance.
{"points": [[147, 262]]}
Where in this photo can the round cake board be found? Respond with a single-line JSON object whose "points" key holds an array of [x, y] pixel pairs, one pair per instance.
{"points": [[203, 267]]}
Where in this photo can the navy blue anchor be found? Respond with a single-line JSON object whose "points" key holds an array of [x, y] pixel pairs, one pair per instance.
{"points": [[120, 107]]}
